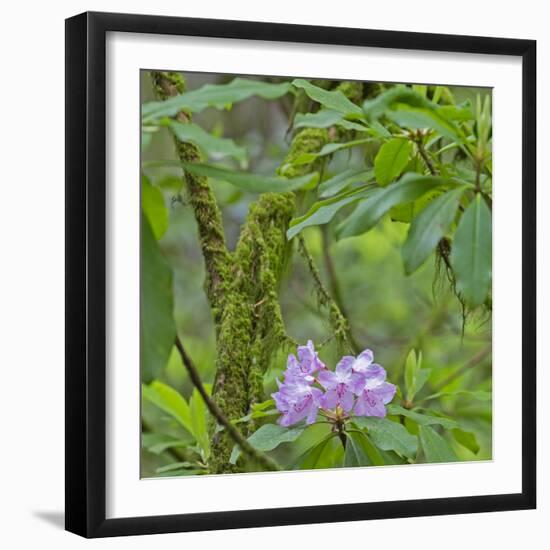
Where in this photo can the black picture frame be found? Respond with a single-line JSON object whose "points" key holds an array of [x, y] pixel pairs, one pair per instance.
{"points": [[86, 274]]}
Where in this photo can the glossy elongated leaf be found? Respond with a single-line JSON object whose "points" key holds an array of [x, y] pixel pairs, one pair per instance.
{"points": [[252, 182], [157, 329], [355, 454], [313, 457], [170, 401], [375, 108], [176, 467], [424, 118], [388, 435], [334, 100], [219, 96], [322, 212], [471, 255], [340, 181], [268, 437], [213, 147], [466, 439], [158, 443], [455, 112], [326, 118], [435, 447], [329, 149], [410, 187], [391, 160], [429, 227], [360, 450], [152, 204], [422, 419], [199, 422], [415, 375]]}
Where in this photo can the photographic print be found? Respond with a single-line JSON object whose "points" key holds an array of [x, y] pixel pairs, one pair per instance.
{"points": [[316, 266]]}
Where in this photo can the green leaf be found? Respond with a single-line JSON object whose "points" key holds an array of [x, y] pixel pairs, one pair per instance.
{"points": [[410, 187], [340, 181], [480, 395], [158, 443], [152, 203], [199, 420], [328, 149], [415, 376], [146, 138], [466, 439], [219, 96], [375, 108], [157, 329], [176, 466], [410, 117], [313, 457], [170, 401], [388, 435], [360, 450], [334, 100], [322, 212], [391, 160], [212, 146], [453, 112], [422, 419], [429, 227], [471, 255], [410, 371], [354, 454], [268, 437], [324, 119], [251, 182], [435, 447]]}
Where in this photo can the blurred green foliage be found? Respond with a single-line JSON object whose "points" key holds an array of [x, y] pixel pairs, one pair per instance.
{"points": [[389, 311]]}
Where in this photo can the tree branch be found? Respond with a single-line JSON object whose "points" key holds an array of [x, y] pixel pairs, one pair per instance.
{"points": [[339, 323], [334, 284], [202, 199], [258, 456]]}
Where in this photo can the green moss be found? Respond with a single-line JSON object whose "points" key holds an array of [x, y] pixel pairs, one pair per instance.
{"points": [[307, 140], [353, 90], [167, 84], [251, 325], [202, 199]]}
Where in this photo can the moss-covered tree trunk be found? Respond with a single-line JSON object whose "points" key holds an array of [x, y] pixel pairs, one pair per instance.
{"points": [[242, 285]]}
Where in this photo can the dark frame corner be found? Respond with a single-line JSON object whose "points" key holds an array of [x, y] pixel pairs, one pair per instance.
{"points": [[85, 273]]}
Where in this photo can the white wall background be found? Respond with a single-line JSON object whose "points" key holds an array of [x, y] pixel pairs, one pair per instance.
{"points": [[32, 272]]}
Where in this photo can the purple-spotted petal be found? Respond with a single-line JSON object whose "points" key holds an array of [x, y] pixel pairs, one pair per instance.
{"points": [[357, 383], [385, 392], [369, 404]]}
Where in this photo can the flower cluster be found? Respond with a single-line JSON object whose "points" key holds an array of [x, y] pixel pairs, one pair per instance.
{"points": [[357, 387]]}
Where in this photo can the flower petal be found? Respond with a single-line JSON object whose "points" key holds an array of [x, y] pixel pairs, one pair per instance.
{"points": [[385, 392], [364, 359], [346, 401], [375, 375], [328, 379], [329, 400], [369, 404]]}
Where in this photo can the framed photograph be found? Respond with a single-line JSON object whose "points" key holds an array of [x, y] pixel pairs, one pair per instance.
{"points": [[300, 274]]}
